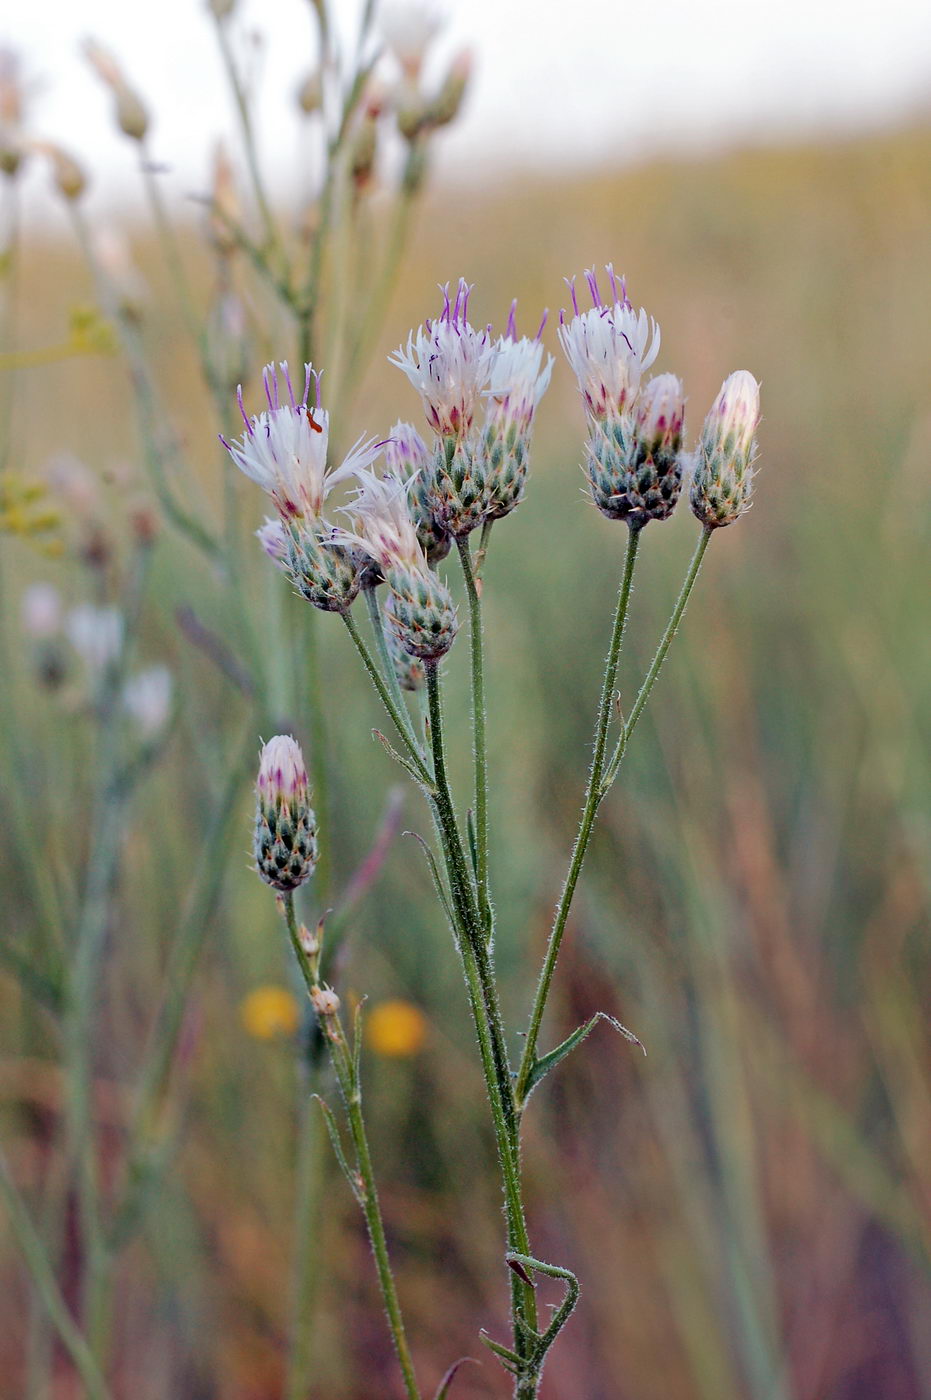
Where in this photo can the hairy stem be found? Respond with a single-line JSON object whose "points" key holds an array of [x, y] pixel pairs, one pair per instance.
{"points": [[346, 1071], [479, 744], [593, 797]]}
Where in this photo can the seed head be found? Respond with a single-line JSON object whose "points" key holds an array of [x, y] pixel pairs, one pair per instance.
{"points": [[722, 483], [131, 114], [285, 842], [324, 1001]]}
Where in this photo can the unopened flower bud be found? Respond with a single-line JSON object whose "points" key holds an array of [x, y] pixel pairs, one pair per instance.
{"points": [[723, 478], [310, 92], [67, 173], [324, 1001], [363, 149], [285, 843], [131, 114], [310, 943], [422, 615], [445, 106], [408, 669], [654, 476]]}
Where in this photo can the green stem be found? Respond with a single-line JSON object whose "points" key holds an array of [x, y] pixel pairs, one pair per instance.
{"points": [[387, 699], [656, 664], [378, 627], [593, 797], [486, 1014], [44, 1278], [346, 1072], [248, 133], [479, 744]]}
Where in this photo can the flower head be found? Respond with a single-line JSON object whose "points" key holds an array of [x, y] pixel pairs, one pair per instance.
{"points": [[147, 700], [734, 416], [519, 378], [659, 416], [722, 483], [284, 448], [384, 528], [449, 364], [282, 780], [285, 838], [608, 347], [96, 634]]}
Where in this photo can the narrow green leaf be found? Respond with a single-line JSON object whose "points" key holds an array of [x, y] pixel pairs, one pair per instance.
{"points": [[545, 1063], [450, 1375], [333, 1131]]}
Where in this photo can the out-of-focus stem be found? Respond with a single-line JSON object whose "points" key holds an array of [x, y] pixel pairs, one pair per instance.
{"points": [[44, 1278]]}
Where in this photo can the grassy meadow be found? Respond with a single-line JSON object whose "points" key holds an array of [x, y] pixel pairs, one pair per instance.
{"points": [[748, 1207]]}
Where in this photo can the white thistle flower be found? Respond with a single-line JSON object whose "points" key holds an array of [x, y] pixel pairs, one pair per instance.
{"points": [[40, 610], [284, 448], [147, 700], [733, 417], [449, 364], [383, 525], [408, 30], [519, 377], [608, 347], [96, 634]]}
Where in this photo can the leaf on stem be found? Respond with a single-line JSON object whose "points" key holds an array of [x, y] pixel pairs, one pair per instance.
{"points": [[399, 758], [450, 1375], [333, 1131], [438, 885], [545, 1063], [509, 1359]]}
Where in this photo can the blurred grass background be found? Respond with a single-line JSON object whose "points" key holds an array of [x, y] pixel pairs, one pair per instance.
{"points": [[749, 1207]]}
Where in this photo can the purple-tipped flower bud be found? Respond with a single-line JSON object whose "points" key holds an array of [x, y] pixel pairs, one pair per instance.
{"points": [[422, 615], [285, 842], [723, 478], [448, 101], [654, 475], [408, 669]]}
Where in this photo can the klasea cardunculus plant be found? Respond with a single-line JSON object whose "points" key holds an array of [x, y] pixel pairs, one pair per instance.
{"points": [[422, 615], [284, 448], [449, 363], [285, 841], [722, 482], [520, 376], [400, 523]]}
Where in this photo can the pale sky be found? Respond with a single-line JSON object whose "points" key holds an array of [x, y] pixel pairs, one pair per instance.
{"points": [[556, 81]]}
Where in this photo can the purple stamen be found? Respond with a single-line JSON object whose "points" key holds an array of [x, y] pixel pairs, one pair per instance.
{"points": [[539, 334], [245, 416], [570, 283], [287, 379], [447, 309], [609, 269], [308, 371], [267, 381], [593, 287], [224, 442], [511, 331]]}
